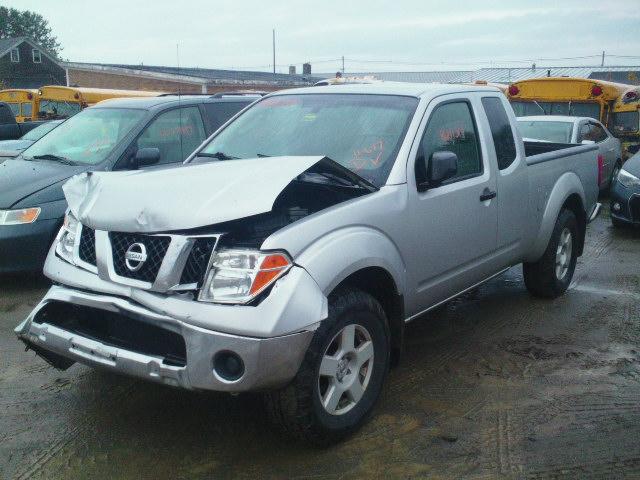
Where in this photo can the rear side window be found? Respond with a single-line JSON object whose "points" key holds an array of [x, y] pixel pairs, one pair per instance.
{"points": [[220, 112], [176, 133], [451, 128], [500, 131], [598, 133]]}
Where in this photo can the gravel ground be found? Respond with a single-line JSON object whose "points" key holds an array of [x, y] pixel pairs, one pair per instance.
{"points": [[494, 385]]}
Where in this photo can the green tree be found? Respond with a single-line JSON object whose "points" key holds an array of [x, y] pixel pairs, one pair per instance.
{"points": [[24, 23]]}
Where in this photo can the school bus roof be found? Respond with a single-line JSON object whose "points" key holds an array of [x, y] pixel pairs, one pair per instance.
{"points": [[565, 88], [89, 95], [17, 93]]}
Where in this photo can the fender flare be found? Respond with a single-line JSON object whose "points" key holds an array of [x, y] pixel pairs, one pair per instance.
{"points": [[352, 249], [568, 184]]}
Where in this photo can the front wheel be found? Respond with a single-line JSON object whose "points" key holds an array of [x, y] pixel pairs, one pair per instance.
{"points": [[550, 276], [341, 376]]}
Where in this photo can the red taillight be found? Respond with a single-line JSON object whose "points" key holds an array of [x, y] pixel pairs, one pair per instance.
{"points": [[600, 169], [596, 90], [29, 96], [513, 90]]}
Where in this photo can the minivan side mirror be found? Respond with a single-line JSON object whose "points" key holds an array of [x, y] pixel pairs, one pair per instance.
{"points": [[442, 166], [146, 156]]}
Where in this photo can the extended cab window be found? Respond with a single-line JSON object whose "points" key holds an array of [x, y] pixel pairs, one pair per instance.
{"points": [[175, 133], [451, 128], [500, 131]]}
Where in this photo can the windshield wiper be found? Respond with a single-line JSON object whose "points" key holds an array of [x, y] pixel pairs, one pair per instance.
{"points": [[55, 158], [218, 155]]}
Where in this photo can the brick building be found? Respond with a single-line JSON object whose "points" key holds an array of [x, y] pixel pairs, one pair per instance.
{"points": [[173, 79], [25, 64]]}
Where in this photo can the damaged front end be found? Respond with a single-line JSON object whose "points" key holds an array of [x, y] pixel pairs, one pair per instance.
{"points": [[130, 287]]}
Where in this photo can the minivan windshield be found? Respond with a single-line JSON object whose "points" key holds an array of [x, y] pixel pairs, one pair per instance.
{"points": [[361, 132], [558, 132], [86, 138]]}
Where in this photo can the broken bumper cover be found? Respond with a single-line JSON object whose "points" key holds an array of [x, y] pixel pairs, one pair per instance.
{"points": [[268, 362], [271, 338]]}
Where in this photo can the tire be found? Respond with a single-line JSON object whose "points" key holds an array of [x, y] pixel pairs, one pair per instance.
{"points": [[543, 278], [298, 408]]}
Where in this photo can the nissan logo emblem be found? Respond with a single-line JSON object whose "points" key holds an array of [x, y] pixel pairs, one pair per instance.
{"points": [[135, 256]]}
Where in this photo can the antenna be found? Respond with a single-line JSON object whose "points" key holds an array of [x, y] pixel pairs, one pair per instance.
{"points": [[180, 128]]}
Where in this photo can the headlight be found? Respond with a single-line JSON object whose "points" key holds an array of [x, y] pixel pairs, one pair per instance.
{"points": [[628, 180], [18, 217], [67, 239], [238, 276]]}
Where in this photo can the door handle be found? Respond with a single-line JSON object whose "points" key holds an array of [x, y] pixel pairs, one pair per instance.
{"points": [[487, 195]]}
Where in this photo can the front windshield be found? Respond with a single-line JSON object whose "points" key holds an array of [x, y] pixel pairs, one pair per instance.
{"points": [[626, 122], [88, 137], [40, 131], [55, 108], [360, 132], [557, 132]]}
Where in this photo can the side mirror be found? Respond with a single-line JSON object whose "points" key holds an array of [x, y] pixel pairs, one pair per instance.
{"points": [[146, 156], [587, 142], [442, 166]]}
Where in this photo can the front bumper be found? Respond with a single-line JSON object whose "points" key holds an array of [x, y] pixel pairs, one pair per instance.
{"points": [[23, 248], [268, 362], [625, 203]]}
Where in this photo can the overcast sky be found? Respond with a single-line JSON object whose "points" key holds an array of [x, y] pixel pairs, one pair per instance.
{"points": [[372, 35]]}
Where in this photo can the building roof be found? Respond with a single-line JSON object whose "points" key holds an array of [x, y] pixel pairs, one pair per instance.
{"points": [[7, 44], [200, 75], [623, 74]]}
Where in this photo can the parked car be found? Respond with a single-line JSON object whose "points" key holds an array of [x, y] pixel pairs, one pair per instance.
{"points": [[118, 134], [10, 129], [288, 252], [585, 130], [625, 194], [12, 148]]}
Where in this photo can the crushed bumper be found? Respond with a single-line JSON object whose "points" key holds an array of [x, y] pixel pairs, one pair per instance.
{"points": [[268, 362]]}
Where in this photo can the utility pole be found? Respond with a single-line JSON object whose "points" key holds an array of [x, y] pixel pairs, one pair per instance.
{"points": [[274, 51], [343, 64], [602, 64]]}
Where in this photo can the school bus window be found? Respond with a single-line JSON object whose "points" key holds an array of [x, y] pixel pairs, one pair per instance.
{"points": [[624, 122]]}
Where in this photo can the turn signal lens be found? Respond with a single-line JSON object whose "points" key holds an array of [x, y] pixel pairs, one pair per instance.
{"points": [[19, 217], [238, 276]]}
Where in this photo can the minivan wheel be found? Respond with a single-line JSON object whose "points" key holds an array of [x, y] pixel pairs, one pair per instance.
{"points": [[550, 276], [341, 376]]}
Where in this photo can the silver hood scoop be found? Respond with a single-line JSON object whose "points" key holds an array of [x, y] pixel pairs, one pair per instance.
{"points": [[184, 197]]}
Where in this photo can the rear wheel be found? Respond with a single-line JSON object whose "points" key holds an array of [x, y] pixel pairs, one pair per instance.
{"points": [[550, 276], [342, 373]]}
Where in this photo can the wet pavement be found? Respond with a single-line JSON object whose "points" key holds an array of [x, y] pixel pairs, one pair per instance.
{"points": [[495, 384]]}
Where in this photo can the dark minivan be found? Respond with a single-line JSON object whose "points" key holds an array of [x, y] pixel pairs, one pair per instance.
{"points": [[118, 134]]}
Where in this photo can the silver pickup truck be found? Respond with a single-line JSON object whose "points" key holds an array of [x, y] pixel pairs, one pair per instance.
{"points": [[289, 251]]}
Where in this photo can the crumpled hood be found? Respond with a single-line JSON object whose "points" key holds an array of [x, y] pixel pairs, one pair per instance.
{"points": [[21, 178], [184, 197]]}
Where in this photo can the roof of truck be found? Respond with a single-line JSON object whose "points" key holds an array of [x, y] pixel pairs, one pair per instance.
{"points": [[150, 102], [393, 88]]}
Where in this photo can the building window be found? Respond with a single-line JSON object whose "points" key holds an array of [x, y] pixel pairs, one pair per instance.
{"points": [[37, 58], [15, 55]]}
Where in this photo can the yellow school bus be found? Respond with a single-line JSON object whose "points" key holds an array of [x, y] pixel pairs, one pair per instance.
{"points": [[60, 102], [625, 123], [580, 97], [22, 101]]}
